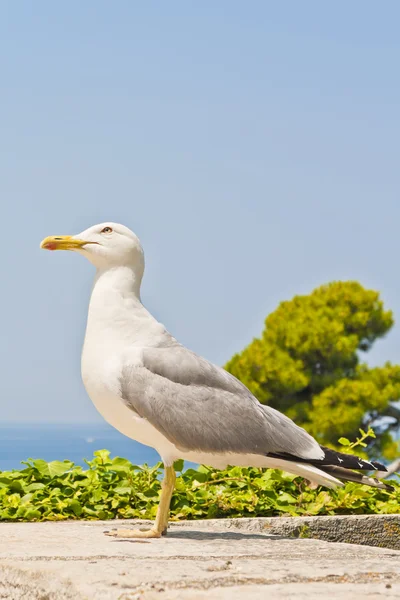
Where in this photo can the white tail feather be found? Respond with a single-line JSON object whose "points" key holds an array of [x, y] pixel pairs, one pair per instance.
{"points": [[304, 470]]}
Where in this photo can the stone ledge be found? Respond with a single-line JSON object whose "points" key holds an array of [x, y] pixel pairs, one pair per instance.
{"points": [[225, 559], [382, 531]]}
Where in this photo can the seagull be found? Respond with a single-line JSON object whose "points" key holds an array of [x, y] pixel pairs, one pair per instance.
{"points": [[154, 390]]}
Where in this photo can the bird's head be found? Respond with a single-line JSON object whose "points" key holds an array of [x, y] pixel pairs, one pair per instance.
{"points": [[107, 245]]}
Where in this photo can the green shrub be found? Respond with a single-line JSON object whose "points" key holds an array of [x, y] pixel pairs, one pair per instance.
{"points": [[114, 488]]}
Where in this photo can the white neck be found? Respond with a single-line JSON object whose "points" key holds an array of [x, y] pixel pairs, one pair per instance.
{"points": [[121, 282], [115, 308], [115, 300]]}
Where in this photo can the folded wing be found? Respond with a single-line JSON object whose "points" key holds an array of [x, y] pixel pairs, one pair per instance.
{"points": [[201, 407]]}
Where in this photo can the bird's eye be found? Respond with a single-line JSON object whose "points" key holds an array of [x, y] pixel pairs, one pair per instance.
{"points": [[106, 230]]}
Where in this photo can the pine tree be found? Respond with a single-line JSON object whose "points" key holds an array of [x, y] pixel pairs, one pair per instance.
{"points": [[308, 364]]}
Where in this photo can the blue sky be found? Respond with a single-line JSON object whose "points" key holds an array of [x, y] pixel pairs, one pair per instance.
{"points": [[253, 147]]}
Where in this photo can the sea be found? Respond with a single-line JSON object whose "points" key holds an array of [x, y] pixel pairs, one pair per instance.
{"points": [[72, 442]]}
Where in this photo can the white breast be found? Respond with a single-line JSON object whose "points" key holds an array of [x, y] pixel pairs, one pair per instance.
{"points": [[117, 330], [100, 378]]}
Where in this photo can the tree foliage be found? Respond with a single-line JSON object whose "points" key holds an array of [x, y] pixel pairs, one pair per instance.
{"points": [[308, 364]]}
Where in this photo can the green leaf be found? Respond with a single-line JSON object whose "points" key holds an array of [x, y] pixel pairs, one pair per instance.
{"points": [[103, 455], [33, 487], [122, 462], [76, 507], [344, 441], [199, 476], [286, 498], [122, 490], [52, 469], [15, 486], [32, 514], [204, 469], [178, 465]]}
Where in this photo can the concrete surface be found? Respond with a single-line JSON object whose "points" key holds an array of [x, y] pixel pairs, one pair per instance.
{"points": [[225, 559]]}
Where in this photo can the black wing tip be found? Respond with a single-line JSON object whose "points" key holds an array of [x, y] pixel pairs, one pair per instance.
{"points": [[349, 475], [379, 466], [350, 461], [333, 458]]}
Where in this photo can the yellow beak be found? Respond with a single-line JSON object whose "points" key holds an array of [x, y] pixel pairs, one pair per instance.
{"points": [[63, 242]]}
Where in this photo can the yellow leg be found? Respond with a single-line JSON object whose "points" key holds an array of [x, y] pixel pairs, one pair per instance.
{"points": [[161, 523]]}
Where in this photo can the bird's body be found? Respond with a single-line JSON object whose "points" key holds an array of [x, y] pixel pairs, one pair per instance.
{"points": [[120, 332], [159, 393]]}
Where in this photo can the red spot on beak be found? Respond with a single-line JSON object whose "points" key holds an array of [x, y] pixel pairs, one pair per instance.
{"points": [[51, 246]]}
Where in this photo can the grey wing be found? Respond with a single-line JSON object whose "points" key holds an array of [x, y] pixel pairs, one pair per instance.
{"points": [[201, 407]]}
